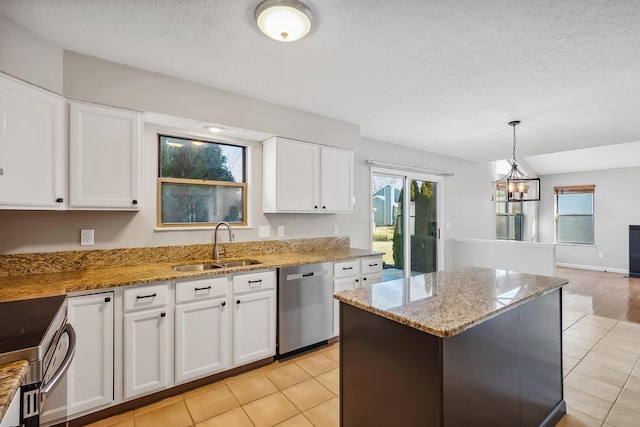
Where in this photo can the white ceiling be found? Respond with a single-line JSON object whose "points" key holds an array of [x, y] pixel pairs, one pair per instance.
{"points": [[442, 75]]}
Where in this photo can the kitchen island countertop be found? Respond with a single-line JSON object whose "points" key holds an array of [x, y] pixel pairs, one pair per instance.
{"points": [[447, 303]]}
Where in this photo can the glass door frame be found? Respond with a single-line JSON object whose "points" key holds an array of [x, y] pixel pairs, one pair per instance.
{"points": [[407, 176]]}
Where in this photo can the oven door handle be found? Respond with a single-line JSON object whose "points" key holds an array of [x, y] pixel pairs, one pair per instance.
{"points": [[64, 366]]}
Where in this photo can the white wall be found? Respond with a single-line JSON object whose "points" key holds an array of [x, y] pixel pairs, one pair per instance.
{"points": [[29, 57], [468, 209], [616, 206]]}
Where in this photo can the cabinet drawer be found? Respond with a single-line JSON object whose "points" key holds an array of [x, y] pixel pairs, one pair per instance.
{"points": [[144, 297], [254, 282], [370, 265], [199, 289], [345, 269]]}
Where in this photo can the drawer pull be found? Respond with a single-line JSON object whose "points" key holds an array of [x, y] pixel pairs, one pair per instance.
{"points": [[238, 302], [307, 274], [255, 281], [347, 268], [163, 314], [373, 265], [223, 303], [202, 289], [146, 296]]}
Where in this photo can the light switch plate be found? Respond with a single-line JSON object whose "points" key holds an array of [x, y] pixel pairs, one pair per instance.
{"points": [[264, 231]]}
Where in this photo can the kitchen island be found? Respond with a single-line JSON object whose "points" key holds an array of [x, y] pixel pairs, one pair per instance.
{"points": [[469, 346]]}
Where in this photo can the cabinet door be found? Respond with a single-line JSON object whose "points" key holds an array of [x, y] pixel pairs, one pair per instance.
{"points": [[105, 157], [336, 180], [146, 352], [297, 176], [254, 327], [89, 382], [12, 414], [339, 286], [33, 166], [201, 339]]}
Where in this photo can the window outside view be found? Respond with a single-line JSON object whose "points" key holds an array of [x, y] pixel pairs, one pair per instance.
{"points": [[200, 182]]}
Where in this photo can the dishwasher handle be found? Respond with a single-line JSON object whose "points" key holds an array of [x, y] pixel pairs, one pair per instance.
{"points": [[309, 275], [47, 386]]}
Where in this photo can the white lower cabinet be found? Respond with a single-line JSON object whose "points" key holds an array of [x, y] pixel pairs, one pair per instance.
{"points": [[89, 380], [254, 317], [202, 328], [12, 415], [348, 275], [147, 352]]}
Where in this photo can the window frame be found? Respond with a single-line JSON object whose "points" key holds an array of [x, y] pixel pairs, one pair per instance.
{"points": [[574, 189], [508, 214], [244, 186]]}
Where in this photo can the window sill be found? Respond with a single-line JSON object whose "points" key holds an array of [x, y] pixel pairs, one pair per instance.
{"points": [[201, 228]]}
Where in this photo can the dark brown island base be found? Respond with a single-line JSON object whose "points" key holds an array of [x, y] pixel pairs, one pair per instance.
{"points": [[466, 347]]}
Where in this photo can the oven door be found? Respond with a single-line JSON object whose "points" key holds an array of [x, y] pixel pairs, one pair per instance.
{"points": [[34, 395]]}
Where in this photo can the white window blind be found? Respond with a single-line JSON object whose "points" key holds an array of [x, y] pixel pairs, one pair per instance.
{"points": [[574, 214]]}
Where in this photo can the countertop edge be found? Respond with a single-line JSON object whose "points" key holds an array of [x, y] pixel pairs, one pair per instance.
{"points": [[12, 376]]}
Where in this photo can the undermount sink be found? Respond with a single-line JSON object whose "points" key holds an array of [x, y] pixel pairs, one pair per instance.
{"points": [[240, 262], [216, 265], [196, 267]]}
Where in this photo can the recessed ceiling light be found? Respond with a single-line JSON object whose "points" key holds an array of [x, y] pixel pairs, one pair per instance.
{"points": [[283, 20], [215, 129]]}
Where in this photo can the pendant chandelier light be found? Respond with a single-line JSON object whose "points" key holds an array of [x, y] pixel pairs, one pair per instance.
{"points": [[516, 186], [283, 20]]}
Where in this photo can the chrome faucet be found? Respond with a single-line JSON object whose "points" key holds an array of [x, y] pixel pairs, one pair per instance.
{"points": [[216, 255]]}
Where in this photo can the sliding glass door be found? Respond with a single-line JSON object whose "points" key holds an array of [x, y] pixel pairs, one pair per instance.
{"points": [[405, 222]]}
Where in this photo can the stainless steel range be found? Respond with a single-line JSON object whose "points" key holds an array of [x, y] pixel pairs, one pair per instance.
{"points": [[37, 330]]}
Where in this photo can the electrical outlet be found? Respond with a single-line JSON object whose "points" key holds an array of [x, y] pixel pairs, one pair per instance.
{"points": [[335, 229], [600, 254], [264, 231], [281, 231], [86, 237]]}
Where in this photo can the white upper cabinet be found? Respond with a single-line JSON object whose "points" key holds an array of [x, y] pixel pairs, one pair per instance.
{"points": [[32, 147], [105, 170], [304, 177]]}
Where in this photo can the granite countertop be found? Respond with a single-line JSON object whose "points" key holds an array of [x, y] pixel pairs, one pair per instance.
{"points": [[446, 303], [12, 376], [29, 286]]}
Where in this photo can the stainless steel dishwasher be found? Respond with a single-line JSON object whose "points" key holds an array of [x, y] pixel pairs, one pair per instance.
{"points": [[305, 306]]}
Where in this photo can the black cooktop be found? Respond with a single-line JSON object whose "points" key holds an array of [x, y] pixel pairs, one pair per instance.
{"points": [[24, 324]]}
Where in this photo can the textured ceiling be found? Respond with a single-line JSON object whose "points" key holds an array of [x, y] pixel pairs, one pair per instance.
{"points": [[441, 75]]}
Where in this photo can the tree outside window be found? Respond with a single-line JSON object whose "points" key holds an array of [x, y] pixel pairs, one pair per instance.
{"points": [[200, 182]]}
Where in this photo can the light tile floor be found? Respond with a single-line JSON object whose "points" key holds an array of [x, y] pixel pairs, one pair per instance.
{"points": [[600, 360], [295, 392]]}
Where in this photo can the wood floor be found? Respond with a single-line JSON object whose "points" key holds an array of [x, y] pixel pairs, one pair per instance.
{"points": [[611, 295]]}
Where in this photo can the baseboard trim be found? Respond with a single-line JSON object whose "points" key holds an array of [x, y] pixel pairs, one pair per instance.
{"points": [[592, 268]]}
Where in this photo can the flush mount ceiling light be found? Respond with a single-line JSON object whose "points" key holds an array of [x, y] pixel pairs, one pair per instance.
{"points": [[283, 20], [516, 186], [215, 129]]}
